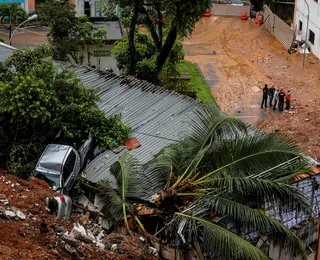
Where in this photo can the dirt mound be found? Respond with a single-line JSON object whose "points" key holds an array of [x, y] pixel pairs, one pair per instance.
{"points": [[33, 235]]}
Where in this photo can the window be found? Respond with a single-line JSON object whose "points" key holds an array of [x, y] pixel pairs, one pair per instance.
{"points": [[87, 8], [300, 25], [311, 37], [69, 165]]}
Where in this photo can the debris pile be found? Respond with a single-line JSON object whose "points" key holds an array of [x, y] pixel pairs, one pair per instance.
{"points": [[29, 231]]}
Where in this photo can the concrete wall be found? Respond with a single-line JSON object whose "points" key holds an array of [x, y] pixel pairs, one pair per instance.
{"points": [[228, 10], [94, 55], [314, 23]]}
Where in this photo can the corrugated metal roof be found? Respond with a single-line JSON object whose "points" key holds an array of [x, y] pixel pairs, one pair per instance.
{"points": [[156, 116], [5, 51]]}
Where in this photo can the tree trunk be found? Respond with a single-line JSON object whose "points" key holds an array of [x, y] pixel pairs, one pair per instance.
{"points": [[160, 23], [166, 48], [132, 48], [152, 30], [10, 29]]}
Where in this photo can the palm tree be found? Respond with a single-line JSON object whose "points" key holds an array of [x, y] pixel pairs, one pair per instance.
{"points": [[224, 172], [13, 12]]}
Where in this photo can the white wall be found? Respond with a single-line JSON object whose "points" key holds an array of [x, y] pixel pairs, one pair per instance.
{"points": [[80, 7], [314, 22], [100, 63]]}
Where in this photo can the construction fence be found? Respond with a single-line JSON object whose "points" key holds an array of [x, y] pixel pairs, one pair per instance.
{"points": [[278, 28]]}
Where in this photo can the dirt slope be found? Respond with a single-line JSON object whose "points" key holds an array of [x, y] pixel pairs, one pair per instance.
{"points": [[24, 239], [237, 59]]}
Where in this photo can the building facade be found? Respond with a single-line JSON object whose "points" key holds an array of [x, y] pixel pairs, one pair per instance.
{"points": [[301, 21]]}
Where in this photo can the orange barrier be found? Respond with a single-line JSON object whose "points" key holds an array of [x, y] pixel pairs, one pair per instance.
{"points": [[207, 14], [244, 15], [260, 19]]}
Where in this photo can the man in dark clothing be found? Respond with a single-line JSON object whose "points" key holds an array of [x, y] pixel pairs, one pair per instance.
{"points": [[264, 96], [271, 95], [281, 99]]}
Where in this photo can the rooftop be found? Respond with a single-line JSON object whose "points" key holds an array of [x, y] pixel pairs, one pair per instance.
{"points": [[113, 29], [157, 117]]}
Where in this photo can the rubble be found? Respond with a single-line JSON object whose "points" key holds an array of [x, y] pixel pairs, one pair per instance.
{"points": [[29, 231]]}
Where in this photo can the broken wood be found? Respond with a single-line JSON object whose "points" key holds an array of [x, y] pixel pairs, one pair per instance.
{"points": [[71, 241], [198, 250]]}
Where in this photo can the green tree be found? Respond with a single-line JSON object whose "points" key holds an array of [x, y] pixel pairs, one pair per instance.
{"points": [[177, 17], [145, 59], [38, 100], [13, 12], [222, 173], [68, 34]]}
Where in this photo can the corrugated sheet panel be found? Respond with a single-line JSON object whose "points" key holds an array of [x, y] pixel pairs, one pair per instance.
{"points": [[157, 117], [283, 32], [277, 27]]}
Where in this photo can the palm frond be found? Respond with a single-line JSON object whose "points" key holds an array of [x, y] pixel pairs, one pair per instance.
{"points": [[252, 155], [127, 172], [208, 124], [263, 191], [215, 238], [210, 121], [252, 220], [111, 200]]}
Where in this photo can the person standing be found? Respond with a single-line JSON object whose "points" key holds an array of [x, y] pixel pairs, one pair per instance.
{"points": [[271, 95], [264, 96], [288, 98], [275, 98], [281, 99]]}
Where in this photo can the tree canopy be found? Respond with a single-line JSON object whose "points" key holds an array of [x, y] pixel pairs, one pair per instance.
{"points": [[68, 34], [165, 20], [213, 187], [38, 100]]}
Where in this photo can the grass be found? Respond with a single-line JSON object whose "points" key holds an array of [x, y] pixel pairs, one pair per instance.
{"points": [[196, 82]]}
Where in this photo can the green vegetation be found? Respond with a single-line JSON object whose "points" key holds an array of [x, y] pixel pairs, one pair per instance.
{"points": [[166, 21], [197, 82], [68, 35], [12, 12], [222, 175], [38, 100]]}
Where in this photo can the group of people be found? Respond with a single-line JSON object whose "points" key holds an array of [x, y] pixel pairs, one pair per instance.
{"points": [[277, 96]]}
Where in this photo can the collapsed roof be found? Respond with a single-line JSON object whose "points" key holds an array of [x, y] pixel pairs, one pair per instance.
{"points": [[157, 117]]}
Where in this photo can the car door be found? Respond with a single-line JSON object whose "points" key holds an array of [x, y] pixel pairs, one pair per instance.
{"points": [[71, 169]]}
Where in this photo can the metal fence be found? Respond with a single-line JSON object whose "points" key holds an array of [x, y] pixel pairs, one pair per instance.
{"points": [[277, 27], [228, 9]]}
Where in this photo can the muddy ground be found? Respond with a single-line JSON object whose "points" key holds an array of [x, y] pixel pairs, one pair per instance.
{"points": [[237, 59], [25, 239]]}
